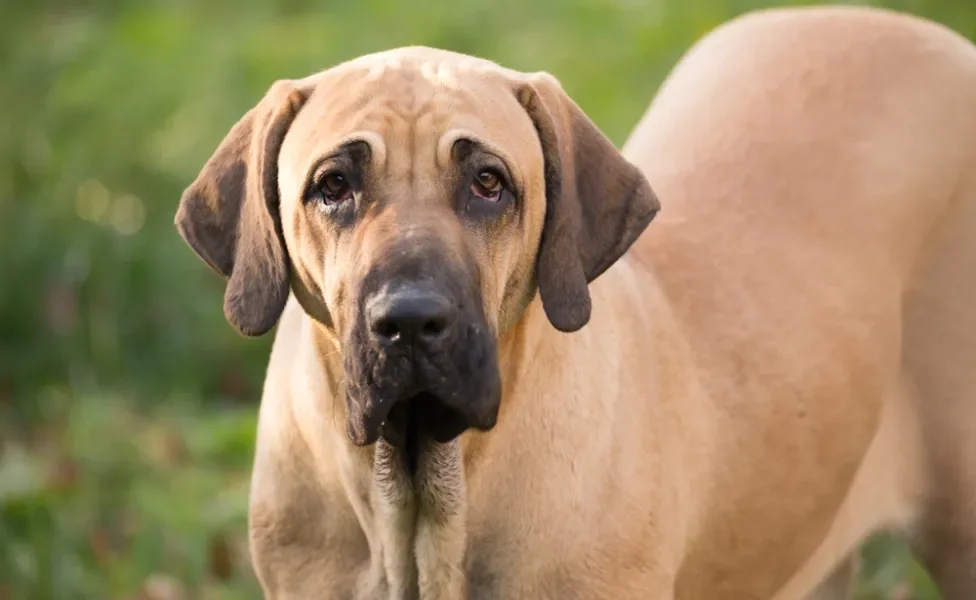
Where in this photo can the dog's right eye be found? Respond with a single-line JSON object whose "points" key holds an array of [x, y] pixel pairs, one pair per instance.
{"points": [[334, 188], [487, 186]]}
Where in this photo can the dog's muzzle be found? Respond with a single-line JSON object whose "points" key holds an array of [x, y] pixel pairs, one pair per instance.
{"points": [[422, 363]]}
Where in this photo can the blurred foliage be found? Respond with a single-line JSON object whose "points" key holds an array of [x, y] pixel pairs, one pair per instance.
{"points": [[126, 402]]}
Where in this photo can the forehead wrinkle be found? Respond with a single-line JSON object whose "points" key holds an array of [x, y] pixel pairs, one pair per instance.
{"points": [[440, 74], [411, 157], [446, 143], [321, 146], [375, 141], [428, 172], [414, 101]]}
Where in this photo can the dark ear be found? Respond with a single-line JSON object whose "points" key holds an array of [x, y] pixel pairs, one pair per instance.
{"points": [[229, 214], [597, 203]]}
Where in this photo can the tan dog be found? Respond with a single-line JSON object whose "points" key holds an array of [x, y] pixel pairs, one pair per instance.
{"points": [[781, 365]]}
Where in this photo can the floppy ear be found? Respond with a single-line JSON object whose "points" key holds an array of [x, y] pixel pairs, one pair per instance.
{"points": [[597, 202], [229, 215]]}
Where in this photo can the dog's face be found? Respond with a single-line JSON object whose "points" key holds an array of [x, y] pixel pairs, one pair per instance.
{"points": [[414, 201]]}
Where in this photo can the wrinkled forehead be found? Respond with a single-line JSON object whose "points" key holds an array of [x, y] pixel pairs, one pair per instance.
{"points": [[413, 105]]}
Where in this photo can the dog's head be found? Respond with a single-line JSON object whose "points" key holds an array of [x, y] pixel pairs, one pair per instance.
{"points": [[414, 201]]}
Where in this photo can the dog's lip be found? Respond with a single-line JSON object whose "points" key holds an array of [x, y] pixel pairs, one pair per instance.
{"points": [[362, 423], [424, 414], [388, 419], [360, 435], [439, 414], [424, 410]]}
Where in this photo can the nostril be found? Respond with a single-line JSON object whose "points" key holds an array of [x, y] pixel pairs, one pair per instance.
{"points": [[387, 329], [434, 328]]}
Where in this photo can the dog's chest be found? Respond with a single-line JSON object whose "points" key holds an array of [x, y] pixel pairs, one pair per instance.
{"points": [[429, 539]]}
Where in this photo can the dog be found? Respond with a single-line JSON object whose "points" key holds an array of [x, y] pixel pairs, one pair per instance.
{"points": [[513, 361]]}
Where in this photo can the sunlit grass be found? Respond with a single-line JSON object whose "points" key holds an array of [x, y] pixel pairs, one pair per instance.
{"points": [[104, 501]]}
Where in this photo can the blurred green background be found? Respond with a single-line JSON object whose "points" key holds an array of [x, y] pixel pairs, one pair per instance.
{"points": [[127, 404]]}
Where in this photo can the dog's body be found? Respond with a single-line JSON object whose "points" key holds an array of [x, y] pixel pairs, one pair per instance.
{"points": [[818, 174], [777, 367]]}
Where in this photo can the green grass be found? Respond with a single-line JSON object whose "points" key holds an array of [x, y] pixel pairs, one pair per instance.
{"points": [[106, 499]]}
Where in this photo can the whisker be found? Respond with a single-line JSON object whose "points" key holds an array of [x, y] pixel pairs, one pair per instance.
{"points": [[335, 398]]}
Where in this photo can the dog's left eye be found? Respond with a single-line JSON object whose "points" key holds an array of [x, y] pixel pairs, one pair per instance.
{"points": [[487, 185], [334, 188]]}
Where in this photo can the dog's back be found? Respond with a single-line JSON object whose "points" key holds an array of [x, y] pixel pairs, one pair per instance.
{"points": [[817, 170]]}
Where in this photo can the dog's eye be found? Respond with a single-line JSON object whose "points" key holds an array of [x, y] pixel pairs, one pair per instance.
{"points": [[334, 188], [487, 185]]}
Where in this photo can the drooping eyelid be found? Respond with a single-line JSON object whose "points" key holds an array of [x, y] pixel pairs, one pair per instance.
{"points": [[342, 155], [498, 158], [330, 164]]}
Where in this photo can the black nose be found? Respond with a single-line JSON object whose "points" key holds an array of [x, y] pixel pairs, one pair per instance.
{"points": [[410, 313]]}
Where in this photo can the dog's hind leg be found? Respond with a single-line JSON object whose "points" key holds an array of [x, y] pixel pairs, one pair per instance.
{"points": [[940, 360]]}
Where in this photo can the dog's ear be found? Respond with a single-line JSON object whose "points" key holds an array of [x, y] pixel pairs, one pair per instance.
{"points": [[597, 202], [230, 217]]}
